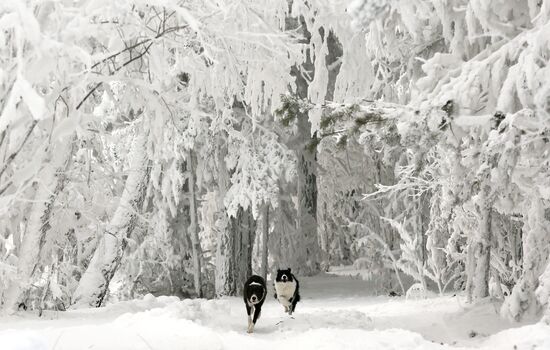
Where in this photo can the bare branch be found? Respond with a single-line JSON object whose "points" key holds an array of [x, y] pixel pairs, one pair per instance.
{"points": [[145, 41], [12, 156], [2, 137], [148, 42]]}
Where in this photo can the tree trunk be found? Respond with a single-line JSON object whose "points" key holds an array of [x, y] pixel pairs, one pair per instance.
{"points": [[194, 227], [235, 240], [425, 222], [306, 223], [324, 238], [482, 255], [307, 251], [234, 255], [243, 228], [481, 250], [224, 283], [543, 290], [308, 248], [52, 183], [265, 237], [470, 270], [94, 284], [533, 288]]}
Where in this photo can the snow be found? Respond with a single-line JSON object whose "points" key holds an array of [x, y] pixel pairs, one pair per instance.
{"points": [[336, 312], [425, 160]]}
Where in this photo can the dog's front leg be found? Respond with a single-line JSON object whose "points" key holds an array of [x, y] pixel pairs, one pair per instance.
{"points": [[250, 321], [290, 307], [257, 313]]}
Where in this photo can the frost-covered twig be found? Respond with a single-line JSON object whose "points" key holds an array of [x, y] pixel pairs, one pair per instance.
{"points": [[14, 154]]}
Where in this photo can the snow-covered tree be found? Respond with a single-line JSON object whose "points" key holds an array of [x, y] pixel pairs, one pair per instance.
{"points": [[176, 147]]}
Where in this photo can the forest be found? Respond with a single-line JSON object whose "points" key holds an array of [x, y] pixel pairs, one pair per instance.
{"points": [[175, 147]]}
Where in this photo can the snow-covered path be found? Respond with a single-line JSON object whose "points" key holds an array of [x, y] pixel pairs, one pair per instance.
{"points": [[335, 313]]}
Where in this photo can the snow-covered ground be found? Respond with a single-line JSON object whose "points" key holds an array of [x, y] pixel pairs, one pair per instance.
{"points": [[335, 313]]}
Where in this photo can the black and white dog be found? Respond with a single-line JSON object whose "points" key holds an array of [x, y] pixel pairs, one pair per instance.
{"points": [[287, 290], [254, 293]]}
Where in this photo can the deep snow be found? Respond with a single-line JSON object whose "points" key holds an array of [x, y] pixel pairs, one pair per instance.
{"points": [[335, 313]]}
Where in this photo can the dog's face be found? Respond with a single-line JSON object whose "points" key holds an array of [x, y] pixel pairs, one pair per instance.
{"points": [[255, 293], [284, 276]]}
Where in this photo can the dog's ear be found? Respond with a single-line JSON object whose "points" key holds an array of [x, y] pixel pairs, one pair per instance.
{"points": [[278, 270], [289, 269]]}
